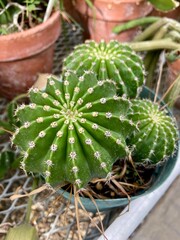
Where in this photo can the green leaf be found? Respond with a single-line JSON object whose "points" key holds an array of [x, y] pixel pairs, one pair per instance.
{"points": [[5, 126], [10, 111], [164, 5], [31, 7], [22, 232], [89, 3], [6, 160]]}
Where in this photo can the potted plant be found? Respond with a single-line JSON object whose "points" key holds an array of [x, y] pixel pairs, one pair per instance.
{"points": [[99, 17], [80, 129], [28, 31], [160, 35]]}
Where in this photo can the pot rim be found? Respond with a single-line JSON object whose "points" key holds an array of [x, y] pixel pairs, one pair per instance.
{"points": [[114, 10], [30, 31], [20, 45]]}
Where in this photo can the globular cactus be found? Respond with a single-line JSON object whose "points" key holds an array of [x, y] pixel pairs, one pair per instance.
{"points": [[109, 61], [157, 134], [74, 130]]}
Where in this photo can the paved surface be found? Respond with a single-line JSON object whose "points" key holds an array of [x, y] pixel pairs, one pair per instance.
{"points": [[163, 222]]}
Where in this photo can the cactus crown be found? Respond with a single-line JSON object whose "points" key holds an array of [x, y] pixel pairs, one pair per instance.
{"points": [[74, 130], [157, 134], [109, 61]]}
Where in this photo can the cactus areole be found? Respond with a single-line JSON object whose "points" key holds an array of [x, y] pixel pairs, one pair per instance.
{"points": [[157, 133], [74, 130], [111, 60]]}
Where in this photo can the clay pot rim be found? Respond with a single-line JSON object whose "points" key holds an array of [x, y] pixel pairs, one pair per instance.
{"points": [[30, 42], [114, 10], [34, 30]]}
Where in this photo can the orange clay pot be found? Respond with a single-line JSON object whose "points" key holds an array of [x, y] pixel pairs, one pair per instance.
{"points": [[173, 70], [106, 14], [23, 55]]}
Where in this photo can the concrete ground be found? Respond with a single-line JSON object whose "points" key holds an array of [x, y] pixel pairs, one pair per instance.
{"points": [[163, 222]]}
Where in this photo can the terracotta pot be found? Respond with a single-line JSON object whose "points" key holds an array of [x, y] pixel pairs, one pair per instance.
{"points": [[106, 14], [173, 71], [26, 54], [71, 10]]}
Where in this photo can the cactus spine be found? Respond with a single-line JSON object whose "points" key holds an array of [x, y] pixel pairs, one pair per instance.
{"points": [[156, 138], [74, 130], [109, 61]]}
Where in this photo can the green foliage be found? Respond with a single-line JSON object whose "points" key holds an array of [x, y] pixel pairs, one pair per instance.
{"points": [[164, 5], [173, 93], [4, 30], [109, 61], [7, 159], [32, 5], [157, 134], [28, 13], [74, 130], [134, 23], [9, 124], [22, 232]]}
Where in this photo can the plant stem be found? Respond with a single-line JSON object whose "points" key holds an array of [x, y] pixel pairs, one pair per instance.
{"points": [[23, 95], [154, 45], [49, 8], [153, 59], [162, 62], [174, 35], [30, 201], [134, 23], [161, 33], [153, 28], [172, 93]]}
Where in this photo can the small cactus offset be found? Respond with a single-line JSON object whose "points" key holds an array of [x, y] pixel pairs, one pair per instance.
{"points": [[109, 61], [74, 130], [157, 133]]}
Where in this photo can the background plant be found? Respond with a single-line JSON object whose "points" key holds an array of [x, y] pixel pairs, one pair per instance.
{"points": [[164, 5], [157, 132], [8, 155], [159, 35], [109, 61], [23, 14]]}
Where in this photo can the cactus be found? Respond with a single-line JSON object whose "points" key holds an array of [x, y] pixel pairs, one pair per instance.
{"points": [[74, 130], [156, 137], [109, 61]]}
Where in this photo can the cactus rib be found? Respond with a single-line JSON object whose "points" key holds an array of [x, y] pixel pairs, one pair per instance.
{"points": [[74, 130], [109, 61]]}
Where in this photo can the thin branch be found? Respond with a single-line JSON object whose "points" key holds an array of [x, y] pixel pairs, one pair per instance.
{"points": [[76, 194], [162, 61], [49, 9]]}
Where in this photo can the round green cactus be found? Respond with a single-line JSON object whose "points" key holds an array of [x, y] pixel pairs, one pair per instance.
{"points": [[109, 61], [74, 130], [157, 133]]}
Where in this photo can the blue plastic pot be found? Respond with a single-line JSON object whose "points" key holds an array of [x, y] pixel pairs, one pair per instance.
{"points": [[160, 174]]}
